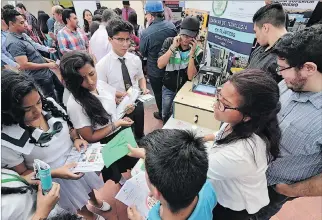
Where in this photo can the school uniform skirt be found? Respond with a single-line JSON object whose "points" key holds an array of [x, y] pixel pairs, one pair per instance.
{"points": [[115, 170], [74, 193]]}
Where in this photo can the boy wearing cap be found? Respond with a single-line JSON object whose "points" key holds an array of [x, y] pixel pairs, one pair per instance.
{"points": [[181, 57], [176, 165]]}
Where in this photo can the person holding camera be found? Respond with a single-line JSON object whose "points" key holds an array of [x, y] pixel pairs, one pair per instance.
{"points": [[181, 57]]}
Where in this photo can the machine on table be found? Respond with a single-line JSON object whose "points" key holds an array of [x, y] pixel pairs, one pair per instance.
{"points": [[195, 108], [207, 80]]}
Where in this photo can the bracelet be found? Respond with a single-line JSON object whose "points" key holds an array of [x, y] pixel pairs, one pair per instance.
{"points": [[113, 126], [172, 50], [76, 139]]}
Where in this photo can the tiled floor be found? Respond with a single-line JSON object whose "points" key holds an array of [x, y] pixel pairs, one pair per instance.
{"points": [[298, 209]]}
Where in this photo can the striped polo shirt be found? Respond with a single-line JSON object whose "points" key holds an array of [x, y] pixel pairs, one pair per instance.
{"points": [[300, 120]]}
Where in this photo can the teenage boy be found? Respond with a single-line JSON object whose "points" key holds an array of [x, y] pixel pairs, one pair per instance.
{"points": [[181, 57], [297, 172], [176, 165], [269, 28], [122, 69]]}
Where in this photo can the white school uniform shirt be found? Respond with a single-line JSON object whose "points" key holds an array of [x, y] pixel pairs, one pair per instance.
{"points": [[99, 43], [17, 206], [237, 173], [16, 148], [109, 70], [78, 116]]}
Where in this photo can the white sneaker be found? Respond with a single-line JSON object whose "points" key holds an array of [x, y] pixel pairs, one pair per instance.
{"points": [[99, 217], [105, 207]]}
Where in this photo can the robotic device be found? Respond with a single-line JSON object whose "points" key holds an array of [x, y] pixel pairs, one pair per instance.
{"points": [[207, 80]]}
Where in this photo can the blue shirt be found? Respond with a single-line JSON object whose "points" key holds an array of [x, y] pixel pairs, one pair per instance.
{"points": [[206, 203], [17, 46], [50, 24], [151, 42], [6, 57], [301, 143]]}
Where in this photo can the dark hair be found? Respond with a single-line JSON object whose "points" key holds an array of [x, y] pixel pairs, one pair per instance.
{"points": [[133, 19], [40, 12], [118, 11], [118, 25], [126, 2], [98, 12], [69, 66], [177, 164], [302, 47], [97, 18], [103, 8], [273, 14], [260, 101], [86, 24], [10, 15], [20, 5], [42, 22], [7, 7], [16, 190], [93, 27], [157, 14], [108, 14], [65, 216], [66, 14], [14, 87]]}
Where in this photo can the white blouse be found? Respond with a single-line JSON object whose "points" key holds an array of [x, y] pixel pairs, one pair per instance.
{"points": [[237, 172], [54, 154], [78, 116]]}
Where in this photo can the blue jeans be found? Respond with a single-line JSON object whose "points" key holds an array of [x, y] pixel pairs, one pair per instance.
{"points": [[167, 103]]}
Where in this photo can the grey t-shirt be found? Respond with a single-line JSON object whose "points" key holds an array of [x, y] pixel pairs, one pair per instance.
{"points": [[17, 45]]}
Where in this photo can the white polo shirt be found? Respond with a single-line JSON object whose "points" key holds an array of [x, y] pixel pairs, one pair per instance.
{"points": [[109, 70], [99, 43], [237, 173], [77, 114]]}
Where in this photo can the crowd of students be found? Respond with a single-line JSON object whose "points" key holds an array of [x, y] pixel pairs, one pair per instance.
{"points": [[267, 151]]}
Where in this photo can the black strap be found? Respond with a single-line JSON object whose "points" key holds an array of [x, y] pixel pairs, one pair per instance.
{"points": [[126, 76]]}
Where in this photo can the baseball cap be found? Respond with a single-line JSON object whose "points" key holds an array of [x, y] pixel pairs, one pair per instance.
{"points": [[190, 26]]}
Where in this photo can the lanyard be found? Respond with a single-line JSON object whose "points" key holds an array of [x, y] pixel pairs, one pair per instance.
{"points": [[13, 178]]}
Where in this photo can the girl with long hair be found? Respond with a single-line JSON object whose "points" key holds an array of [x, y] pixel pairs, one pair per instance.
{"points": [[247, 141], [87, 16], [92, 108], [35, 127]]}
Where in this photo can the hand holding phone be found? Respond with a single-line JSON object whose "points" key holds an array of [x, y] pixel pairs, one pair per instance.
{"points": [[176, 42], [193, 46]]}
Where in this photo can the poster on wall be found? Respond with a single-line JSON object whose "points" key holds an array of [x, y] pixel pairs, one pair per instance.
{"points": [[230, 31], [176, 8], [203, 16], [299, 13]]}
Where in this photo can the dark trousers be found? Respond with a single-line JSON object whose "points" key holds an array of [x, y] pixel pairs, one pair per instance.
{"points": [[222, 213], [156, 84], [52, 87], [276, 202], [138, 117]]}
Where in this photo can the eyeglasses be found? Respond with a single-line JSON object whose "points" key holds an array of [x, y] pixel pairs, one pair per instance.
{"points": [[221, 105], [279, 69], [122, 40]]}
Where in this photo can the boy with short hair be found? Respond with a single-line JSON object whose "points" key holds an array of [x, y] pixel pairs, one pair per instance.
{"points": [[176, 164]]}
